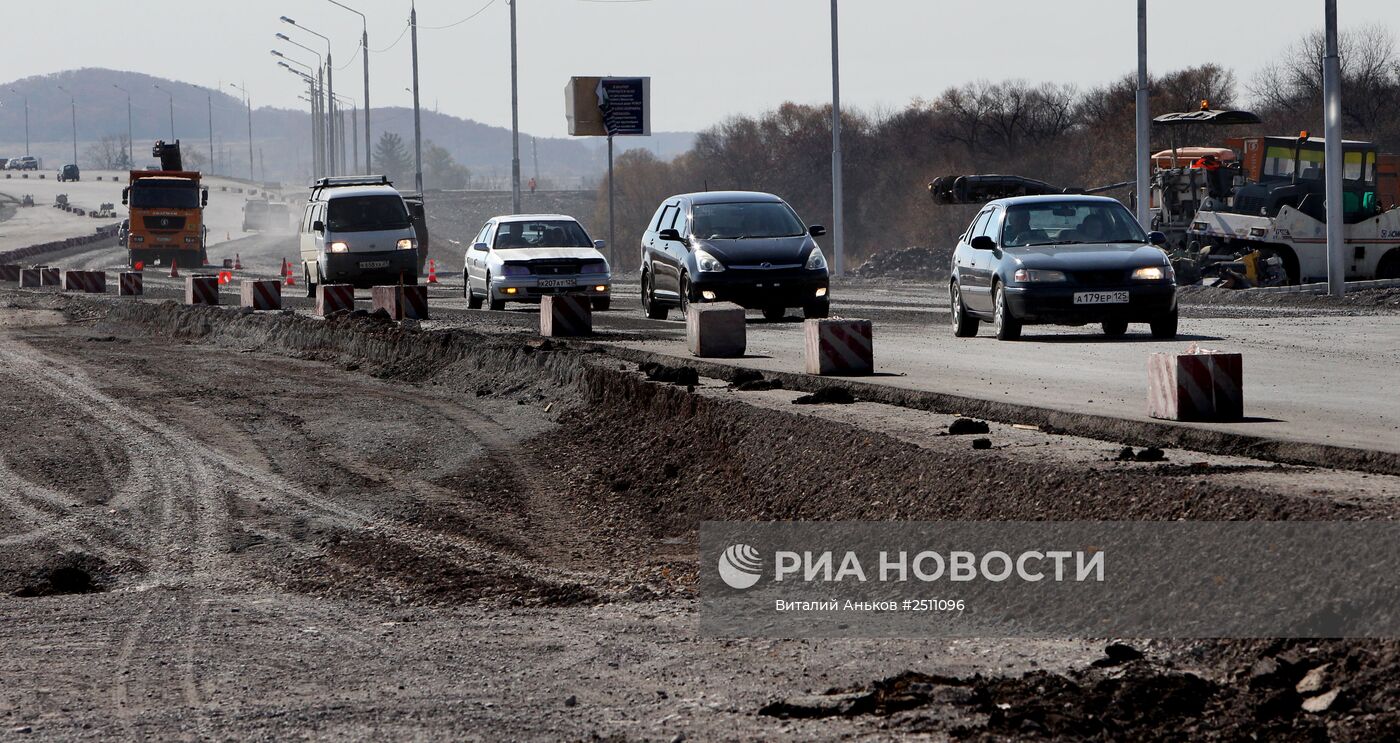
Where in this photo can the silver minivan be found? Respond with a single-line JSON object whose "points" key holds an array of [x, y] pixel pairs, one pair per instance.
{"points": [[357, 230]]}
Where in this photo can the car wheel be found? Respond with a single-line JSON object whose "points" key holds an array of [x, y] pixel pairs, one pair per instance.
{"points": [[1115, 328], [774, 314], [816, 310], [685, 295], [474, 301], [496, 305], [964, 325], [1164, 327], [309, 280], [649, 305], [1008, 328], [466, 285], [602, 304]]}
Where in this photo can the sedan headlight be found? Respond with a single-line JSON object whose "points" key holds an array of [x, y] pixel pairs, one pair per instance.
{"points": [[816, 261], [707, 263], [1036, 276], [408, 243], [338, 247], [1152, 273], [515, 269], [594, 267]]}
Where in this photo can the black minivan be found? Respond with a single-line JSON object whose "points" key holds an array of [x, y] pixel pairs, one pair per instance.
{"points": [[744, 247]]}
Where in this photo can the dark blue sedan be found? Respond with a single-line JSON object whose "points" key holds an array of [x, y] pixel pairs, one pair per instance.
{"points": [[1062, 260]]}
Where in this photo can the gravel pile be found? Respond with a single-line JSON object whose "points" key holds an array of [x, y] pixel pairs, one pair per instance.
{"points": [[909, 263]]}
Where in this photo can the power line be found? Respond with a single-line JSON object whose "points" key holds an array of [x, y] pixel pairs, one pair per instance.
{"points": [[396, 41], [464, 20]]}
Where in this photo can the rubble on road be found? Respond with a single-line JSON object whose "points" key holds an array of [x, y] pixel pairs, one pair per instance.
{"points": [[826, 396], [908, 263]]}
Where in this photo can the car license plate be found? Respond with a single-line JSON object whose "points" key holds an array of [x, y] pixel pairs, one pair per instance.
{"points": [[374, 264], [1118, 297], [547, 283]]}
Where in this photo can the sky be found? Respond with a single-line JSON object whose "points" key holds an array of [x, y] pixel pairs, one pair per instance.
{"points": [[708, 59]]}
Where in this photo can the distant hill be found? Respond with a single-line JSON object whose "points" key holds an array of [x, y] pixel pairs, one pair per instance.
{"points": [[281, 137]]}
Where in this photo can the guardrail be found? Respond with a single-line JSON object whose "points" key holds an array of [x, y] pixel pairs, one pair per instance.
{"points": [[105, 232]]}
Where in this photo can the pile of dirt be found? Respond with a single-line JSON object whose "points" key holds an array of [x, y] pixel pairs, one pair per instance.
{"points": [[1387, 299], [908, 263], [1283, 691]]}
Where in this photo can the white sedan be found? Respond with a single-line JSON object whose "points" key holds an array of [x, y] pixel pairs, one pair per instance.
{"points": [[522, 257]]}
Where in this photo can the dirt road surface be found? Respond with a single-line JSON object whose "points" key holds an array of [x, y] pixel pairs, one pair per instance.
{"points": [[215, 525]]}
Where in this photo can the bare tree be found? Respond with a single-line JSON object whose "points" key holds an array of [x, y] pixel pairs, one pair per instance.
{"points": [[109, 153], [1292, 86]]}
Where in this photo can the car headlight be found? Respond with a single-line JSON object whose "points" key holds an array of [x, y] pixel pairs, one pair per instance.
{"points": [[707, 263], [1036, 276], [515, 269], [408, 243], [338, 247], [594, 267], [816, 261], [1152, 273]]}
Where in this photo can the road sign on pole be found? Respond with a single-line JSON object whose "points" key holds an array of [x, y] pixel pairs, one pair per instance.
{"points": [[608, 107]]}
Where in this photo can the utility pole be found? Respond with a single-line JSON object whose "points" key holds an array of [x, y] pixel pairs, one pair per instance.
{"points": [[838, 238], [210, 98], [515, 121], [417, 118], [1332, 156], [1144, 126], [535, 152]]}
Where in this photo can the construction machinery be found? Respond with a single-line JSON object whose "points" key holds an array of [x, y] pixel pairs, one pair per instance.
{"points": [[166, 211]]}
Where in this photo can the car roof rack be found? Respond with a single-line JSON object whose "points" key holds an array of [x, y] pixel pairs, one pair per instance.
{"points": [[340, 181]]}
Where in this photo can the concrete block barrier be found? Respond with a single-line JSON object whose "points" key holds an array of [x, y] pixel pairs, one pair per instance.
{"points": [[202, 290], [402, 302], [75, 281], [332, 299], [715, 330], [31, 277], [564, 315], [129, 284], [1195, 386], [9, 272], [50, 276], [839, 347], [262, 294]]}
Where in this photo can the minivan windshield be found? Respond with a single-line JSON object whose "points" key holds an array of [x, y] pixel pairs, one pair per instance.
{"points": [[741, 220], [546, 233], [164, 194], [367, 213], [1069, 223]]}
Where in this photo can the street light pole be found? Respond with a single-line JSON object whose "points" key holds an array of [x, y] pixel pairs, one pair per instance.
{"points": [[514, 119], [172, 111], [838, 237], [74, 102], [417, 115], [210, 100], [130, 154], [248, 101], [328, 97], [364, 52], [1332, 155], [1144, 126]]}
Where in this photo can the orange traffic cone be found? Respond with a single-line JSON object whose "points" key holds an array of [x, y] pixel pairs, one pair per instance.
{"points": [[237, 262], [174, 268], [432, 271], [289, 279]]}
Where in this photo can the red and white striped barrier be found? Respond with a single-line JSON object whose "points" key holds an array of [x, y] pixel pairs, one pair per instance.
{"points": [[715, 330], [261, 295], [96, 282], [333, 299], [77, 281], [129, 284], [9, 272], [31, 277], [402, 302], [839, 347], [563, 315], [202, 290], [50, 276], [1195, 386]]}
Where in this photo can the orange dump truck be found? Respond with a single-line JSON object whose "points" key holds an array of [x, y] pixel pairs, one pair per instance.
{"points": [[166, 209]]}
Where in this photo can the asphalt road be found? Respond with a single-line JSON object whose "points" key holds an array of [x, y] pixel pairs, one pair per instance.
{"points": [[1310, 375]]}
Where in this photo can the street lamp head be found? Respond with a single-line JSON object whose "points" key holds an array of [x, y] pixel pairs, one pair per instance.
{"points": [[275, 53], [283, 36], [285, 19]]}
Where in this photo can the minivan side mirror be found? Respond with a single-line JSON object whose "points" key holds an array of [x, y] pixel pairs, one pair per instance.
{"points": [[600, 244], [1157, 238], [204, 198], [816, 230], [670, 233], [318, 226], [983, 242], [125, 192], [479, 246]]}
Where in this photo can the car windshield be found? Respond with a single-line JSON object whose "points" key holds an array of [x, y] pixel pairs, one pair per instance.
{"points": [[164, 195], [745, 219], [366, 213], [546, 233], [1069, 223]]}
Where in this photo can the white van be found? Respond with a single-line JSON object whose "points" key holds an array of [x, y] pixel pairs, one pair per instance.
{"points": [[357, 230]]}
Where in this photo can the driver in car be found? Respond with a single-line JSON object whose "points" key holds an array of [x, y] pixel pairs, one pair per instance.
{"points": [[1018, 227]]}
